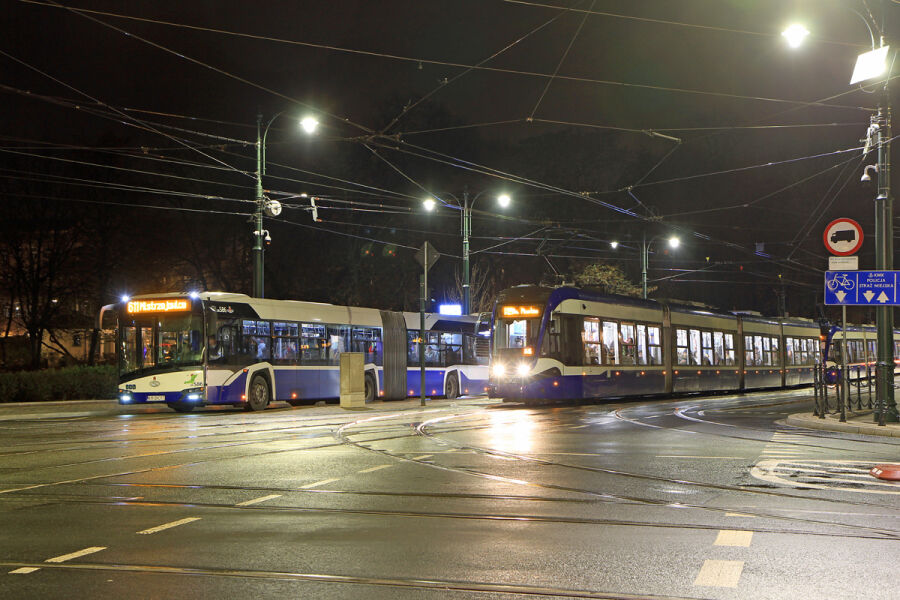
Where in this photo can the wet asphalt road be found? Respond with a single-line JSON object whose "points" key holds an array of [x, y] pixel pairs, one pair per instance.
{"points": [[687, 498]]}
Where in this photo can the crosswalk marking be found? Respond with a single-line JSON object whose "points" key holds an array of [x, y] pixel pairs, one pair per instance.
{"points": [[720, 573], [732, 537]]}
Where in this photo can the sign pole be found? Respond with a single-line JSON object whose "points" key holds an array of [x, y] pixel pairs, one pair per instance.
{"points": [[423, 290], [845, 389]]}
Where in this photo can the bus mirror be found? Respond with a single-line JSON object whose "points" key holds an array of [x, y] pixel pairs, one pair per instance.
{"points": [[212, 323]]}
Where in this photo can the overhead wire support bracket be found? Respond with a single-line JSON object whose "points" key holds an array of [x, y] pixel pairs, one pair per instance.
{"points": [[651, 133]]}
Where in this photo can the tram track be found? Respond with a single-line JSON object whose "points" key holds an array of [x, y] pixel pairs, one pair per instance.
{"points": [[893, 534]]}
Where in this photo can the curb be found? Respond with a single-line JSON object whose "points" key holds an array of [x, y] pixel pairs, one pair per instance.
{"points": [[808, 421]]}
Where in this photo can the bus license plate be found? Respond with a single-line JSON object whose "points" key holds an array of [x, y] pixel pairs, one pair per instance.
{"points": [[156, 398]]}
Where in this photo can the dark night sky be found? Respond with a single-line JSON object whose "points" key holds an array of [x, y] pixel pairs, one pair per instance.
{"points": [[695, 69]]}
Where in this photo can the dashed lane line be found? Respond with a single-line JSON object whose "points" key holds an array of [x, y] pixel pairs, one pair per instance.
{"points": [[371, 469], [80, 553], [318, 483], [24, 570], [740, 515], [689, 456], [258, 500], [733, 537], [720, 573], [423, 457], [165, 526]]}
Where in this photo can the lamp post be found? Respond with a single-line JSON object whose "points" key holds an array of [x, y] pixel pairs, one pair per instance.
{"points": [[673, 242], [263, 204], [466, 229], [872, 66]]}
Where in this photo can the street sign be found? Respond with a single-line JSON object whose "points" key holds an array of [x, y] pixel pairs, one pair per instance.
{"points": [[843, 263], [427, 256], [862, 288], [843, 237]]}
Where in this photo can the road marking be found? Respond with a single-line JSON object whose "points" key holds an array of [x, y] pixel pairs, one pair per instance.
{"points": [[689, 456], [318, 483], [168, 525], [740, 515], [733, 537], [378, 468], [424, 456], [579, 427], [720, 573], [24, 571], [258, 500], [65, 557]]}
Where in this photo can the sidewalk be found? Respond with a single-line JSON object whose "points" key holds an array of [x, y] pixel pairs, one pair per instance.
{"points": [[857, 422]]}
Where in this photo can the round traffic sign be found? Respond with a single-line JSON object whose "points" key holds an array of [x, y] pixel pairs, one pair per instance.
{"points": [[843, 237]]}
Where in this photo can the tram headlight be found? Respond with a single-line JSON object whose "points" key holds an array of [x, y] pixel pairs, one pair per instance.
{"points": [[523, 369], [499, 370]]}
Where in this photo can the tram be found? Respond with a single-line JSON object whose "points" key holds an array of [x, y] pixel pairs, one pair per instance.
{"points": [[861, 351], [188, 350], [569, 343]]}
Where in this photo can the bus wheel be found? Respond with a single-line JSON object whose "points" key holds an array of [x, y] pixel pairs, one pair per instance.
{"points": [[258, 395], [371, 388], [181, 407], [452, 391]]}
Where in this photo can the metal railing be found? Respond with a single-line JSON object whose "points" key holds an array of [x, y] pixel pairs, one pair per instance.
{"points": [[853, 392]]}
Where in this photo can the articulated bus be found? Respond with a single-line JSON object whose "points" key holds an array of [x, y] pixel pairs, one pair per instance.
{"points": [[189, 350]]}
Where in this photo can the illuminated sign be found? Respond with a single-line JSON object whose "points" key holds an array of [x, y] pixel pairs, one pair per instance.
{"points": [[158, 306], [521, 311]]}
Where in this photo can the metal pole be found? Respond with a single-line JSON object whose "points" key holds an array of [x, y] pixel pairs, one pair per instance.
{"points": [[423, 285], [258, 264], [466, 231], [644, 258], [886, 410], [845, 376]]}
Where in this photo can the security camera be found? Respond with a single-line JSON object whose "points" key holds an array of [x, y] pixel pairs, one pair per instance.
{"points": [[865, 175]]}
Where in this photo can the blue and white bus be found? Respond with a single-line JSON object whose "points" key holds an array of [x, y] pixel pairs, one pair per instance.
{"points": [[188, 350]]}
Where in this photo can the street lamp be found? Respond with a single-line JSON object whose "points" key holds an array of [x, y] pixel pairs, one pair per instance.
{"points": [[503, 200], [673, 243], [263, 204], [873, 66]]}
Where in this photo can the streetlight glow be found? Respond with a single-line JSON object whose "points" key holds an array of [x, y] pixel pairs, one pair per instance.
{"points": [[614, 245], [795, 34], [309, 124], [429, 204], [504, 200], [674, 242]]}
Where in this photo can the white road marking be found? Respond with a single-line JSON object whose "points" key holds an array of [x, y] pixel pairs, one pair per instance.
{"points": [[168, 525], [740, 515], [720, 573], [688, 456], [24, 570], [732, 537], [378, 468], [579, 427], [318, 483], [424, 456], [778, 471], [65, 557], [258, 500]]}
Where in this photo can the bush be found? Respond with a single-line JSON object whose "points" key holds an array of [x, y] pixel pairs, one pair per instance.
{"points": [[70, 383]]}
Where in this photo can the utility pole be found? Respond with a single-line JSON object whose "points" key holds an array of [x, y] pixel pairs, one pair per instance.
{"points": [[466, 231], [258, 261]]}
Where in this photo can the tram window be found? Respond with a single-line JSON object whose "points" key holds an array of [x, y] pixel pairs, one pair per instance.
{"points": [[729, 348], [550, 343], [642, 344], [719, 347], [610, 343], [681, 347], [872, 352], [706, 341], [627, 343], [517, 334], [696, 349], [654, 345], [748, 350], [759, 353], [591, 339], [788, 351], [776, 357]]}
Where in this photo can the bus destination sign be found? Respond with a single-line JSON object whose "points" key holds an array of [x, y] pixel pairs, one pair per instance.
{"points": [[162, 305]]}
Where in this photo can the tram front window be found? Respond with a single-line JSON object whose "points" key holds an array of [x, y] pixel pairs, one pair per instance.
{"points": [[516, 336]]}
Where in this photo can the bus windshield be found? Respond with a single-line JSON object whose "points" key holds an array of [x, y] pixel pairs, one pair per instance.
{"points": [[160, 343]]}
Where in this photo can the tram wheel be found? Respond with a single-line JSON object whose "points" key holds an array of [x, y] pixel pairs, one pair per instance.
{"points": [[258, 394], [181, 407], [452, 391], [371, 388]]}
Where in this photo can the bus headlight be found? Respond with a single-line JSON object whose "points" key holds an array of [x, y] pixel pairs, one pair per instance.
{"points": [[498, 370], [124, 398], [523, 369]]}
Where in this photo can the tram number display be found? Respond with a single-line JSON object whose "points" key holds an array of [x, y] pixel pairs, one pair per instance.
{"points": [[521, 311], [158, 306]]}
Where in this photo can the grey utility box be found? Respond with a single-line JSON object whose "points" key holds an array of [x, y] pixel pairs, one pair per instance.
{"points": [[353, 380]]}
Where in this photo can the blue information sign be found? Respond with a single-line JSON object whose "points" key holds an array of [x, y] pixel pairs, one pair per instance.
{"points": [[862, 288]]}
